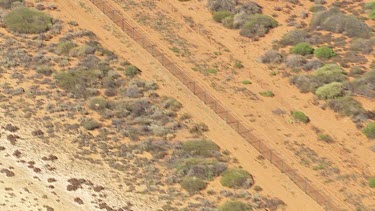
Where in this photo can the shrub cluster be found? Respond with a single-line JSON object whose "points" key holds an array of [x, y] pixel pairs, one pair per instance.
{"points": [[330, 91], [193, 184], [6, 4], [335, 21], [27, 21], [246, 16], [369, 130]]}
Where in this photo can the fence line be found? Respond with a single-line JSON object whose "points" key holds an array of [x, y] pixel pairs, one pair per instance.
{"points": [[137, 35]]}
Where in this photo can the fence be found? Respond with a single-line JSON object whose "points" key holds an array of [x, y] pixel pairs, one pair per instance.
{"points": [[137, 35]]}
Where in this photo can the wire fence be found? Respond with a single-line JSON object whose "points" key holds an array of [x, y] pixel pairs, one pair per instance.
{"points": [[140, 37]]}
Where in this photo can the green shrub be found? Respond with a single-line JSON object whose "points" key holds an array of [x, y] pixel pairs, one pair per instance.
{"points": [[98, 103], [246, 82], [193, 184], [202, 168], [267, 93], [219, 16], [236, 178], [324, 52], [131, 71], [369, 130], [330, 91], [302, 48], [202, 148], [90, 124], [258, 26], [299, 116], [371, 182], [330, 73], [238, 64], [6, 4], [371, 14], [235, 206], [346, 106], [325, 138], [27, 21], [64, 47], [370, 5]]}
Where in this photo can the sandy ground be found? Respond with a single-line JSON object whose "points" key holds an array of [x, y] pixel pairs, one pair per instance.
{"points": [[350, 153], [268, 177]]}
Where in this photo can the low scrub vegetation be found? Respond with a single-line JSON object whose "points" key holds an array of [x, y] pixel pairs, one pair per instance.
{"points": [[193, 184], [302, 48], [324, 52]]}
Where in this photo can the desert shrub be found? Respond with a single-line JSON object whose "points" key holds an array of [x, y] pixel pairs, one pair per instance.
{"points": [[98, 103], [312, 65], [371, 182], [324, 52], [221, 5], [249, 8], [6, 4], [302, 48], [365, 85], [335, 21], [371, 14], [240, 19], [45, 70], [324, 137], [205, 169], [90, 124], [235, 206], [193, 184], [27, 21], [330, 73], [306, 83], [267, 93], [228, 22], [299, 116], [295, 61], [356, 71], [236, 178], [64, 47], [201, 148], [346, 106], [330, 91], [81, 83], [370, 5], [171, 103], [238, 64], [220, 15], [369, 130], [362, 45], [258, 26], [131, 71], [294, 37], [272, 56]]}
